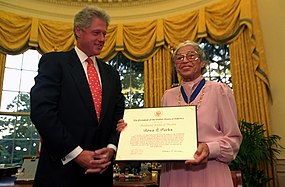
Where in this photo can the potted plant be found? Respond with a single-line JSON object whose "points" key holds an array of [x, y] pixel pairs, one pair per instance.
{"points": [[256, 151]]}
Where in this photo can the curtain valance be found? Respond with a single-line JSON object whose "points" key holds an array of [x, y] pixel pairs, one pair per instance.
{"points": [[220, 23]]}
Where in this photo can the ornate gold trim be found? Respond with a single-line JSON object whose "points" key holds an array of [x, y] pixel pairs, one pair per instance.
{"points": [[103, 3], [121, 11]]}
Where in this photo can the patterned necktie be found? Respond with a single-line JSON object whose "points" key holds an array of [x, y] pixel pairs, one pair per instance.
{"points": [[94, 85]]}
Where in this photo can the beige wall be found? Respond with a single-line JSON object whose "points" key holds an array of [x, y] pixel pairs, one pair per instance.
{"points": [[272, 19]]}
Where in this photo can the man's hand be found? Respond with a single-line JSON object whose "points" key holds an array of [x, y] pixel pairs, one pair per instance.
{"points": [[84, 159], [101, 160], [200, 156]]}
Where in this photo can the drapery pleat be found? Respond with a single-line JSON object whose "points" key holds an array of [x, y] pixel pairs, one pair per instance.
{"points": [[157, 76], [54, 36], [2, 68], [143, 35], [15, 33], [180, 28], [249, 89], [222, 21], [250, 79], [233, 22]]}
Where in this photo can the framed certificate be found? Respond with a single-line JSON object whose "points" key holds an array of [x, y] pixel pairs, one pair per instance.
{"points": [[159, 134]]}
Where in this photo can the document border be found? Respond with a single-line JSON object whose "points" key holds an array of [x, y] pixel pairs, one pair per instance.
{"points": [[183, 116]]}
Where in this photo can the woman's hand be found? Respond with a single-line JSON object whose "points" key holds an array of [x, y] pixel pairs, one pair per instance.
{"points": [[121, 125], [200, 156]]}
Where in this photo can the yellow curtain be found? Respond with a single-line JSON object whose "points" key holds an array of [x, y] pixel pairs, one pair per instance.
{"points": [[15, 33], [250, 77], [2, 68], [233, 22], [250, 91], [53, 36], [157, 76]]}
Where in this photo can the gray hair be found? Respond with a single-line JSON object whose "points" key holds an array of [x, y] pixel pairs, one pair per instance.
{"points": [[84, 17], [197, 48]]}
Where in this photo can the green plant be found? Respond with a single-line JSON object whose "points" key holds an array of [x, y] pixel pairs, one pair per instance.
{"points": [[256, 151]]}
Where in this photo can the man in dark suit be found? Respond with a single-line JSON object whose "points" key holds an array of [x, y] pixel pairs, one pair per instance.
{"points": [[77, 144]]}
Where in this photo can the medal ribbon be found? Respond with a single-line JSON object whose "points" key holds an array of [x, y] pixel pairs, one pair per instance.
{"points": [[195, 93]]}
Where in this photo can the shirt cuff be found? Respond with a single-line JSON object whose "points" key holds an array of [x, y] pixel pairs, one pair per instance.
{"points": [[72, 155], [214, 149], [112, 147]]}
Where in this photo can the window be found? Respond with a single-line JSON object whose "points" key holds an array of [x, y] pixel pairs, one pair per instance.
{"points": [[131, 74], [18, 136], [218, 68]]}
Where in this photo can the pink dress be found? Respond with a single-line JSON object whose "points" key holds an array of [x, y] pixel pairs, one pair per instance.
{"points": [[217, 127]]}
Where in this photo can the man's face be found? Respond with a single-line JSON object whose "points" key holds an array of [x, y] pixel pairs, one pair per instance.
{"points": [[92, 39]]}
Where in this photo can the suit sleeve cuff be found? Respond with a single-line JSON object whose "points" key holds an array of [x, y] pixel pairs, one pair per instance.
{"points": [[72, 155]]}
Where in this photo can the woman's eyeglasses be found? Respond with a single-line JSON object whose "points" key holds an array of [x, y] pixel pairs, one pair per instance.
{"points": [[193, 56]]}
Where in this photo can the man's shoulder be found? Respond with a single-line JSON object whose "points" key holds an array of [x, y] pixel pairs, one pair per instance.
{"points": [[59, 56], [59, 53], [106, 65]]}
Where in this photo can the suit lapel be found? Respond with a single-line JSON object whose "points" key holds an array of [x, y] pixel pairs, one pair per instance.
{"points": [[81, 82], [106, 88]]}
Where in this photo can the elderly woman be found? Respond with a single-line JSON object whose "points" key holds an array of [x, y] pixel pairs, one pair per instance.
{"points": [[219, 136]]}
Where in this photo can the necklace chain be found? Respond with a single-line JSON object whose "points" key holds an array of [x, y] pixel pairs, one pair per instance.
{"points": [[190, 103]]}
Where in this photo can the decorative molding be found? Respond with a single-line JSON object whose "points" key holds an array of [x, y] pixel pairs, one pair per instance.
{"points": [[280, 166], [103, 3], [121, 11]]}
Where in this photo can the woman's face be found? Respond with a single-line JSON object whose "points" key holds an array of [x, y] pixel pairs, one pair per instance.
{"points": [[188, 63]]}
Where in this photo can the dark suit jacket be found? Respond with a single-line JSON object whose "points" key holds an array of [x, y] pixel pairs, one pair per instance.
{"points": [[63, 112]]}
